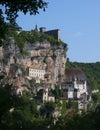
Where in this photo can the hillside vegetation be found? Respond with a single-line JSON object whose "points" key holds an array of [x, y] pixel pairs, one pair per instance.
{"points": [[24, 37], [92, 71], [21, 113]]}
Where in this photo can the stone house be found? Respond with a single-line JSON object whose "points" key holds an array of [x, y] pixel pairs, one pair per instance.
{"points": [[37, 73], [46, 96]]}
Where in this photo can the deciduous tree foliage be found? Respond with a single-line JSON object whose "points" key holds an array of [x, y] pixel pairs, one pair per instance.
{"points": [[10, 8]]}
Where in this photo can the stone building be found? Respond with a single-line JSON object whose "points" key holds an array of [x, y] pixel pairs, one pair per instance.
{"points": [[46, 95], [37, 73], [74, 87], [55, 33]]}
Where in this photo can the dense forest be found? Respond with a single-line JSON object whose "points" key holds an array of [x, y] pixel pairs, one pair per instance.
{"points": [[21, 113], [92, 71]]}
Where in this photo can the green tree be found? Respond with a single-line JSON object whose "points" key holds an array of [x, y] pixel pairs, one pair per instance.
{"points": [[2, 28], [16, 112], [10, 9], [57, 92], [5, 100], [47, 109]]}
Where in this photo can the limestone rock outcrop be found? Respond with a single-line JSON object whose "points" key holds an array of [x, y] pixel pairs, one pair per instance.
{"points": [[44, 55]]}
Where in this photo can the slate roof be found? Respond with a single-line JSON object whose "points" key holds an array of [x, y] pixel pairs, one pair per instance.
{"points": [[72, 73]]}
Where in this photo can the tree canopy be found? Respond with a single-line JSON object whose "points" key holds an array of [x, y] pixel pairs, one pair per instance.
{"points": [[10, 8], [21, 113]]}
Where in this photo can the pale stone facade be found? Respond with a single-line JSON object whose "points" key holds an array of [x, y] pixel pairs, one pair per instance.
{"points": [[47, 96], [36, 73], [78, 87], [75, 87]]}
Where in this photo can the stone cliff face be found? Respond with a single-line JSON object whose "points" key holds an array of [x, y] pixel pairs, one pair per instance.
{"points": [[52, 59]]}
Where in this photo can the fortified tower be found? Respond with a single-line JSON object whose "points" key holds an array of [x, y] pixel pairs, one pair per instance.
{"points": [[55, 33]]}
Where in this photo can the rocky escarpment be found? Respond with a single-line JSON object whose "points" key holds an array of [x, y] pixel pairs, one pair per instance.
{"points": [[51, 58]]}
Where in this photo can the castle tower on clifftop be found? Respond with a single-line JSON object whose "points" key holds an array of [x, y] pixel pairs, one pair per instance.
{"points": [[55, 33]]}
